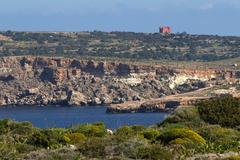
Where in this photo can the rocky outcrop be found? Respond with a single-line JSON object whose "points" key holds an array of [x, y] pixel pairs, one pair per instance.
{"points": [[172, 102], [156, 105], [76, 98], [33, 80], [144, 106]]}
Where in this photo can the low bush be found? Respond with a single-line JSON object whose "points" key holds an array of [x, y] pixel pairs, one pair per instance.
{"points": [[39, 139], [12, 127], [24, 148], [93, 148], [155, 152], [52, 138], [74, 138], [224, 111], [124, 132], [184, 117], [181, 136], [137, 128], [4, 126], [8, 151], [151, 134], [221, 139], [90, 130], [130, 147]]}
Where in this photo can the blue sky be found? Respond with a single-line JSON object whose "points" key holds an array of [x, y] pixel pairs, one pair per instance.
{"points": [[193, 16]]}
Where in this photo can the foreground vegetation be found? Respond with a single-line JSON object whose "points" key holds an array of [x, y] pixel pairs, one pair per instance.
{"points": [[187, 133]]}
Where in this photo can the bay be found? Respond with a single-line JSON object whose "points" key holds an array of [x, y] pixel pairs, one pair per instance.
{"points": [[65, 116]]}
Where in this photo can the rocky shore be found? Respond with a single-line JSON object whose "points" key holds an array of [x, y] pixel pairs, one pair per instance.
{"points": [[172, 102], [143, 107], [29, 80]]}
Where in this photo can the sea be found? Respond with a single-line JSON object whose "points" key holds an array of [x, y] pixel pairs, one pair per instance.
{"points": [[65, 116]]}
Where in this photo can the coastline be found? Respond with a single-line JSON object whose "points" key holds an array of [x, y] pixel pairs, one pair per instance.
{"points": [[32, 80]]}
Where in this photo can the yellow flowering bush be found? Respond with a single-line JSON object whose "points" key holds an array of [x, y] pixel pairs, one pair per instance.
{"points": [[181, 136]]}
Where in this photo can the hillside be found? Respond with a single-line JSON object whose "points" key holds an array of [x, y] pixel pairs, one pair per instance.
{"points": [[130, 45], [30, 80]]}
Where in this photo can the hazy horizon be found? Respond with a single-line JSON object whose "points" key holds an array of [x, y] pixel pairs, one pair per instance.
{"points": [[214, 17]]}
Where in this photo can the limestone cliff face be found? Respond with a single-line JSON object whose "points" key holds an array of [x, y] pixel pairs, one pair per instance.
{"points": [[77, 82]]}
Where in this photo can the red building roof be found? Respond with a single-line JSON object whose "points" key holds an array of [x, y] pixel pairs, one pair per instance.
{"points": [[165, 29]]}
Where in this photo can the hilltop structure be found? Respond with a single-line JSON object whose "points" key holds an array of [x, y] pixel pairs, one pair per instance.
{"points": [[165, 29]]}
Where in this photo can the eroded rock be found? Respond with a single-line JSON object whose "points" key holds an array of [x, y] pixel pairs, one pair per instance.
{"points": [[76, 98], [35, 80]]}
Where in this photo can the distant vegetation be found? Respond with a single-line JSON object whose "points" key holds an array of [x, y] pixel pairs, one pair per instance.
{"points": [[130, 45], [186, 133]]}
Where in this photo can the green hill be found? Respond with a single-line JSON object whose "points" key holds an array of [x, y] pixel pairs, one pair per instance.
{"points": [[121, 45]]}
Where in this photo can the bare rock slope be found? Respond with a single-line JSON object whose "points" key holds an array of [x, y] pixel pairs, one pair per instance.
{"points": [[29, 80]]}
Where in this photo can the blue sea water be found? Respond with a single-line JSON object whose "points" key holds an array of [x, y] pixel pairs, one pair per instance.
{"points": [[54, 116]]}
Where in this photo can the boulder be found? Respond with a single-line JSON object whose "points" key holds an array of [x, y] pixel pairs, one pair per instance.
{"points": [[33, 91], [2, 101], [96, 100], [106, 99]]}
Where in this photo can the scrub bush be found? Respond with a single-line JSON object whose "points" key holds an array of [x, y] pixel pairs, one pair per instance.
{"points": [[182, 136], [183, 117], [74, 138], [93, 147], [91, 130], [151, 134], [52, 138], [125, 132], [221, 139], [224, 111], [155, 152]]}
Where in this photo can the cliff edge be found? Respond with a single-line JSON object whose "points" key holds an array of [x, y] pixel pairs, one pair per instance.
{"points": [[29, 80]]}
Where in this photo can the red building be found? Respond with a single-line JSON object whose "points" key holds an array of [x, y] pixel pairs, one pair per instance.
{"points": [[165, 29]]}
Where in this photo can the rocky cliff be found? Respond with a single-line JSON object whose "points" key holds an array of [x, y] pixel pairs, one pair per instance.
{"points": [[30, 80]]}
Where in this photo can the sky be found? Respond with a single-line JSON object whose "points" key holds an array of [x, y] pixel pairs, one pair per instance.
{"points": [[221, 17]]}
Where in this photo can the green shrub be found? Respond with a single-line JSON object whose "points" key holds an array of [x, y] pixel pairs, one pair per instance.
{"points": [[182, 141], [130, 147], [39, 139], [224, 111], [185, 117], [155, 152], [129, 131], [91, 130], [93, 148], [52, 138], [8, 151], [24, 148], [137, 129], [179, 135], [221, 139], [124, 132], [21, 128], [15, 132], [151, 134], [173, 125], [4, 126], [74, 138]]}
